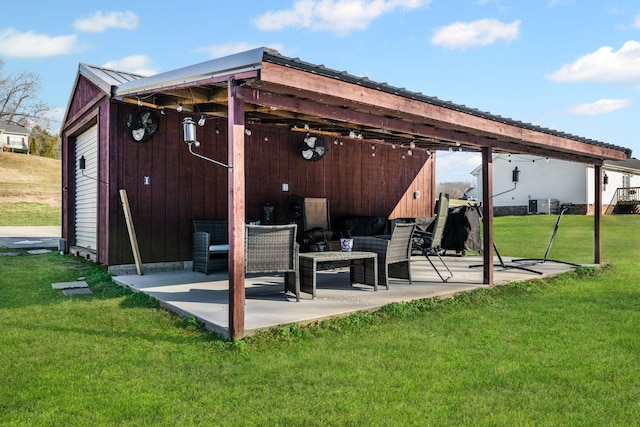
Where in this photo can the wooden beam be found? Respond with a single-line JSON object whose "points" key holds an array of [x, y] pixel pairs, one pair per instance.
{"points": [[487, 215], [132, 231], [283, 106], [236, 212], [317, 85], [597, 215], [171, 87]]}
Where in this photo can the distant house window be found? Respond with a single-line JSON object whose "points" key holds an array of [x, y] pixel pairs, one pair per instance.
{"points": [[16, 142], [626, 181]]}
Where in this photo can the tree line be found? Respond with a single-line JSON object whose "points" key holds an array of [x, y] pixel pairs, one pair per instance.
{"points": [[20, 105]]}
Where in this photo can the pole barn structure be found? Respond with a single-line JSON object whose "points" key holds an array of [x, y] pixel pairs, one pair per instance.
{"points": [[255, 107]]}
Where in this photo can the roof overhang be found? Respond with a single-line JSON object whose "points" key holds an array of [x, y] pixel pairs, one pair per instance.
{"points": [[290, 93]]}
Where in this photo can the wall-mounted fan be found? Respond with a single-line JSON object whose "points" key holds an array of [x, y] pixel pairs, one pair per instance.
{"points": [[312, 148], [293, 207], [143, 123]]}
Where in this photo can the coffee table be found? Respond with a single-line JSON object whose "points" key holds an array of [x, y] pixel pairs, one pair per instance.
{"points": [[309, 267]]}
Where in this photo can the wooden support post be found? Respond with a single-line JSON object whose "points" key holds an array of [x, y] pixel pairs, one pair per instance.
{"points": [[487, 215], [597, 215], [132, 232], [236, 213]]}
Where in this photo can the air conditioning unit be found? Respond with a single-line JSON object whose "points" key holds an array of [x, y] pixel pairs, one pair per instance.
{"points": [[544, 206]]}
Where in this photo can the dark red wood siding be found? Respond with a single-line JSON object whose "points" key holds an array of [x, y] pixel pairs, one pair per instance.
{"points": [[182, 187]]}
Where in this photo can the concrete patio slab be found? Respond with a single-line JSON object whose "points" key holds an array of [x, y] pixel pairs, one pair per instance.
{"points": [[206, 297]]}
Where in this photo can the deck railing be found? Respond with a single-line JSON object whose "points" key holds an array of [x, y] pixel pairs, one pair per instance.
{"points": [[628, 195]]}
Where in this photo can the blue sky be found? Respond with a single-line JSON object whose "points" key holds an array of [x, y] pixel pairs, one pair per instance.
{"points": [[568, 65]]}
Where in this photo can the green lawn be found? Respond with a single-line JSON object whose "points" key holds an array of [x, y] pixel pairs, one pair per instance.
{"points": [[559, 352], [29, 213]]}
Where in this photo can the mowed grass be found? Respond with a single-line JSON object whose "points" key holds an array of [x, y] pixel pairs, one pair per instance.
{"points": [[559, 352], [30, 190]]}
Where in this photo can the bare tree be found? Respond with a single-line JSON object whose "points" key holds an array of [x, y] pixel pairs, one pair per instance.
{"points": [[456, 190], [19, 101]]}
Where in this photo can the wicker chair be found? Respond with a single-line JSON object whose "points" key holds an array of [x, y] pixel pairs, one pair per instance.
{"points": [[394, 253], [210, 245], [273, 249]]}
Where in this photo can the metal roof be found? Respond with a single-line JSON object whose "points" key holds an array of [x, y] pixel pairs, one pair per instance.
{"points": [[105, 78], [121, 85], [244, 61], [274, 57]]}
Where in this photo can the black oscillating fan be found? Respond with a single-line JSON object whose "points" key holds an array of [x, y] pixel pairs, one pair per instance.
{"points": [[312, 148]]}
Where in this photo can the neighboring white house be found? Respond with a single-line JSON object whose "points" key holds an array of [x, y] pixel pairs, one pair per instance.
{"points": [[543, 185], [14, 137]]}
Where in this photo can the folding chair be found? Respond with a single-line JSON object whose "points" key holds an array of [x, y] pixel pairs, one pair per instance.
{"points": [[429, 243]]}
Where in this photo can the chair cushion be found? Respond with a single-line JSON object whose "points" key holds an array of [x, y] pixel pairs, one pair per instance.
{"points": [[218, 249], [360, 225]]}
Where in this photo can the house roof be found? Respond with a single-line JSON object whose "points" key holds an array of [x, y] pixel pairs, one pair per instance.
{"points": [[289, 92], [631, 165], [6, 127]]}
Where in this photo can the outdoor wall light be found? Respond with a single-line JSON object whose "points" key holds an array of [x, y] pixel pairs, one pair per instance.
{"points": [[82, 165], [189, 128], [515, 175], [202, 120], [179, 109], [605, 181]]}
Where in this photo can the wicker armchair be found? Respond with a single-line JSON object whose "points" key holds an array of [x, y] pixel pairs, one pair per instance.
{"points": [[210, 245], [273, 249], [394, 252]]}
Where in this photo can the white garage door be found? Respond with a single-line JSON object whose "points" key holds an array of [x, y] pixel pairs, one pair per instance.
{"points": [[86, 201]]}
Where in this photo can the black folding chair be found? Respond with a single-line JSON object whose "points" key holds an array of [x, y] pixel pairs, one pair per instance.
{"points": [[430, 243]]}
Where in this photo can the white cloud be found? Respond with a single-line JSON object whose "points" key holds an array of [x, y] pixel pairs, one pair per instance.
{"points": [[554, 3], [337, 16], [484, 32], [604, 65], [601, 106], [137, 64], [219, 50], [31, 45], [99, 22], [456, 166]]}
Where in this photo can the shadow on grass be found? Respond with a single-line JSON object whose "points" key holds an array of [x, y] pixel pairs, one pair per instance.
{"points": [[26, 281]]}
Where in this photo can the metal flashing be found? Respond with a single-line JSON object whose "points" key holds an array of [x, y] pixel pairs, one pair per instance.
{"points": [[236, 63]]}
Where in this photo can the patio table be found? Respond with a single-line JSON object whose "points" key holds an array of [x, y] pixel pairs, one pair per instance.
{"points": [[358, 259]]}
